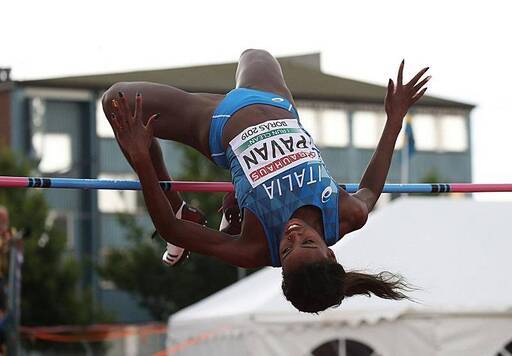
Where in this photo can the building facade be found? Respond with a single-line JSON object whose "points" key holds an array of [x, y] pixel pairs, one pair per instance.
{"points": [[59, 123]]}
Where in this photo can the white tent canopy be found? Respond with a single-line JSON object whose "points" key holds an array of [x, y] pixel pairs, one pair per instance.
{"points": [[456, 250]]}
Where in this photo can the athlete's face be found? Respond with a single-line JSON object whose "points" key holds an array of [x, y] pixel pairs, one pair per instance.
{"points": [[302, 244]]}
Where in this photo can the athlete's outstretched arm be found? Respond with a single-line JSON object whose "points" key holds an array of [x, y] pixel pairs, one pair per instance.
{"points": [[135, 138], [399, 98]]}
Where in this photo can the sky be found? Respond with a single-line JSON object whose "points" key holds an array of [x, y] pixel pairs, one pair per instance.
{"points": [[465, 43]]}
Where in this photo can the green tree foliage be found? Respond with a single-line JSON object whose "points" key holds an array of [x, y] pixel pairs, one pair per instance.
{"points": [[138, 269], [162, 290], [50, 275], [432, 176]]}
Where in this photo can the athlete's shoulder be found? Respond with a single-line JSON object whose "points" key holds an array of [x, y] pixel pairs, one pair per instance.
{"points": [[352, 212]]}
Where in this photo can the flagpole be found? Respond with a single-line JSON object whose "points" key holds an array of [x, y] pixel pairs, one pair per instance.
{"points": [[404, 174]]}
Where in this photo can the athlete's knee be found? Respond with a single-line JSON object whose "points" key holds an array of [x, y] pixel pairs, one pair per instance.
{"points": [[256, 53], [253, 62], [106, 103], [109, 95], [113, 92]]}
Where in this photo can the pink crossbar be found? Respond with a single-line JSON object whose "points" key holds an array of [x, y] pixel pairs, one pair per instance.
{"points": [[475, 187], [10, 182]]}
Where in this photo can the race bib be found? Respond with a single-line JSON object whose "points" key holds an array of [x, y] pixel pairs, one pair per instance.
{"points": [[268, 149]]}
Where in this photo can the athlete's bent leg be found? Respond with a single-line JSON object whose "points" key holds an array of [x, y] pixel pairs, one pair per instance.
{"points": [[258, 69]]}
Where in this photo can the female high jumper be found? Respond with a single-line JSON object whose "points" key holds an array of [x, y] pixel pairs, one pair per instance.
{"points": [[292, 209]]}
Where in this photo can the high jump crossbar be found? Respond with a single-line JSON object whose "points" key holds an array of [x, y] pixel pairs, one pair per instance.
{"points": [[189, 186]]}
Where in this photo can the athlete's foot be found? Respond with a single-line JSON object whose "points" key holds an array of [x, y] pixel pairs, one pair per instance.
{"points": [[174, 255]]}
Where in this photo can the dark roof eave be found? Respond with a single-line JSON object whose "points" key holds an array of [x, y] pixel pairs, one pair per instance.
{"points": [[214, 79], [296, 95], [351, 100], [7, 86]]}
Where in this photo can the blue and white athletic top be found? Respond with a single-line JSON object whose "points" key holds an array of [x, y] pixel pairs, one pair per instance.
{"points": [[276, 169]]}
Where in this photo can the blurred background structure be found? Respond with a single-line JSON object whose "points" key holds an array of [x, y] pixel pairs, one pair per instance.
{"points": [[59, 124], [454, 250], [92, 281]]}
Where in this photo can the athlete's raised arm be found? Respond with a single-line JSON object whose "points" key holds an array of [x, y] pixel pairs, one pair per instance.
{"points": [[135, 138], [399, 98]]}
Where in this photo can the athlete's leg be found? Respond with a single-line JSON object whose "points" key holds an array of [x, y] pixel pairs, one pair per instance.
{"points": [[184, 117], [258, 69]]}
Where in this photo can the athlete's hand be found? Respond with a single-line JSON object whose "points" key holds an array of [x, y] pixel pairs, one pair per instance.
{"points": [[131, 133], [400, 97]]}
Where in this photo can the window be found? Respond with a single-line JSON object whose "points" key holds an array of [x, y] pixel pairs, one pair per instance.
{"points": [[103, 128], [334, 128], [440, 133], [425, 132], [367, 128], [453, 133], [309, 120], [431, 132], [53, 150], [117, 201], [328, 127]]}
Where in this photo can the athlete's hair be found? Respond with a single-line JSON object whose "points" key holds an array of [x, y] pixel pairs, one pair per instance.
{"points": [[317, 286]]}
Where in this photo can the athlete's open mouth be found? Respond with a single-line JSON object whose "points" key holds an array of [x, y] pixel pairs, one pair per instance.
{"points": [[292, 226]]}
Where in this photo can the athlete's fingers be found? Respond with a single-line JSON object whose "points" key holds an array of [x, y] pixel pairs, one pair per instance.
{"points": [[124, 107], [117, 111], [116, 126], [151, 122], [417, 97], [138, 107], [421, 84], [400, 73], [391, 88], [413, 81]]}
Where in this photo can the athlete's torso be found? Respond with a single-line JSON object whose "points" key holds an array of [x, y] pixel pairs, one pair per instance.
{"points": [[277, 170]]}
